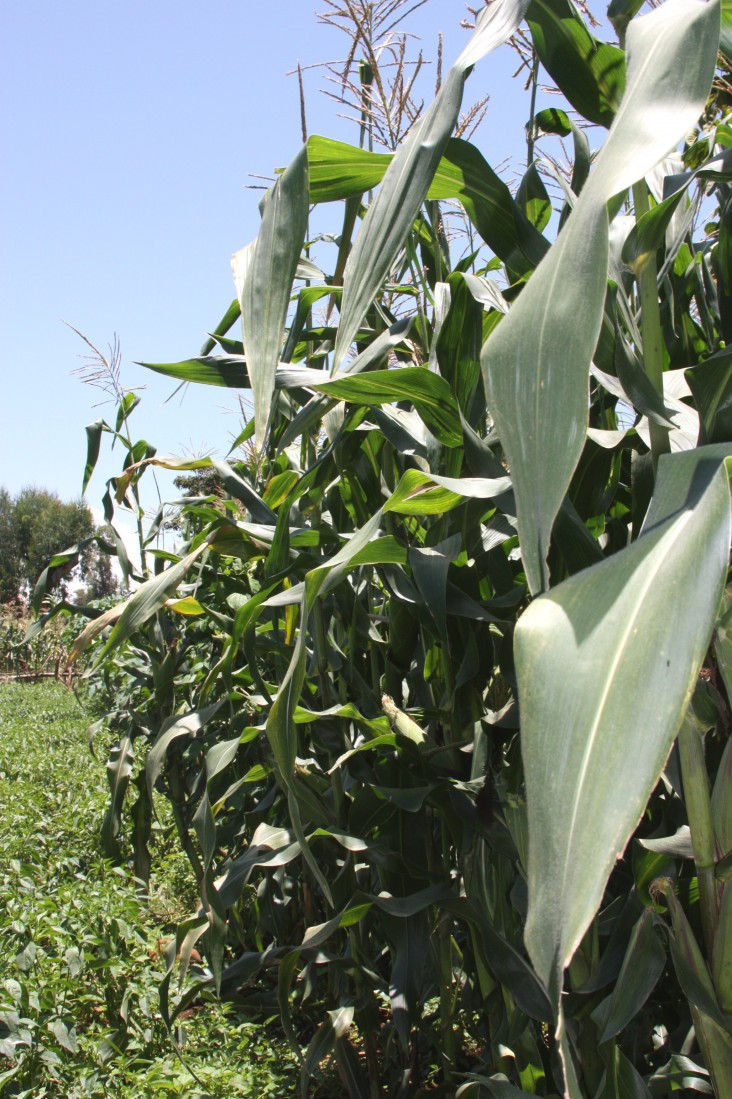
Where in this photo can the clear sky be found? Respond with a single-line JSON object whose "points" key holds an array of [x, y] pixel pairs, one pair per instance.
{"points": [[128, 132]]}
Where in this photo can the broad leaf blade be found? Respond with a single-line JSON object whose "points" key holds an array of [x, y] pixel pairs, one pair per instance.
{"points": [[119, 772], [338, 170], [590, 73], [228, 371], [536, 363], [148, 599], [594, 742], [429, 393], [266, 292]]}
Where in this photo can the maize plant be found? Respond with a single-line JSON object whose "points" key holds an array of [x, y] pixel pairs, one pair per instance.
{"points": [[438, 682]]}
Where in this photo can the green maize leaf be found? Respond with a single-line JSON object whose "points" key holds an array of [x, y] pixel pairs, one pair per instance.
{"points": [[387, 740], [349, 1069], [230, 886], [307, 854], [205, 829], [643, 964], [725, 38], [536, 362], [456, 346], [722, 792], [533, 198], [219, 756], [93, 443], [279, 553], [243, 437], [179, 950], [622, 1080], [228, 371], [280, 487], [229, 318], [428, 494], [416, 494], [410, 799], [65, 557], [187, 725], [230, 346], [338, 170], [497, 1087], [712, 1029], [409, 944], [149, 598], [119, 772], [722, 955], [241, 490], [322, 1043], [634, 656], [552, 120], [590, 73], [265, 295], [648, 234], [285, 975], [374, 727], [429, 393], [313, 412], [620, 13], [711, 386], [280, 726], [513, 971], [408, 177], [430, 565], [306, 298], [126, 406], [385, 550]]}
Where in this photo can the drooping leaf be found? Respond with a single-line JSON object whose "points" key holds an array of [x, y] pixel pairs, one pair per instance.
{"points": [[409, 175], [93, 443], [119, 771], [711, 385], [423, 494], [590, 73], [181, 725], [148, 599], [642, 966], [552, 120], [338, 170], [537, 360], [265, 295], [429, 393], [634, 657]]}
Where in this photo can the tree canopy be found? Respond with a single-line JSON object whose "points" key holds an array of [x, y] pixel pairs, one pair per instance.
{"points": [[36, 524]]}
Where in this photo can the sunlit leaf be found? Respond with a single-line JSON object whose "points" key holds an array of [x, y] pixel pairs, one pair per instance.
{"points": [[537, 360], [634, 656], [409, 175]]}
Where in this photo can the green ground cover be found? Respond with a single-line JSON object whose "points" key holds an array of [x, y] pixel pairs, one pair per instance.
{"points": [[80, 951]]}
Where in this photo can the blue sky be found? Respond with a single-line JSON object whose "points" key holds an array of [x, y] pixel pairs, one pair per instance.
{"points": [[128, 133]]}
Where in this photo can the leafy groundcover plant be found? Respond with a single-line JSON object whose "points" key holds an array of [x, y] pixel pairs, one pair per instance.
{"points": [[437, 685], [80, 950]]}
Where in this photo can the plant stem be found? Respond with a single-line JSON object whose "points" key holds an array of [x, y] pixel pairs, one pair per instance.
{"points": [[530, 134], [651, 331], [699, 813]]}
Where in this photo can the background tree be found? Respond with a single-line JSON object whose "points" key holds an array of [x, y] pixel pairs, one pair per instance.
{"points": [[33, 526], [9, 560]]}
